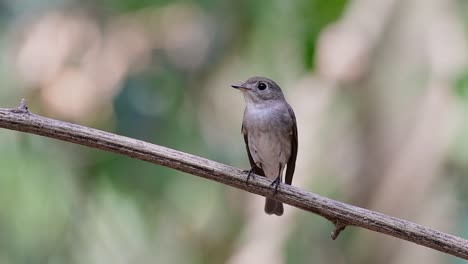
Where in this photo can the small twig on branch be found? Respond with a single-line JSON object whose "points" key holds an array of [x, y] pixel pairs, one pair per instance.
{"points": [[22, 108], [341, 214], [339, 226]]}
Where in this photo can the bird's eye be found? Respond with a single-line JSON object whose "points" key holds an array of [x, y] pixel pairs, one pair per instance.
{"points": [[261, 86]]}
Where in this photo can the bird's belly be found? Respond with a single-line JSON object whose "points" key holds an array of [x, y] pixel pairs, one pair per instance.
{"points": [[270, 150]]}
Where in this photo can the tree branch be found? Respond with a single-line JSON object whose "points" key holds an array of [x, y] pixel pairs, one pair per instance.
{"points": [[341, 214]]}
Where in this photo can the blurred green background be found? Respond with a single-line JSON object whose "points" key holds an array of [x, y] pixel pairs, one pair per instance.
{"points": [[380, 91]]}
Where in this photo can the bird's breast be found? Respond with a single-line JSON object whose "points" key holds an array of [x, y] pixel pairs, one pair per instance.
{"points": [[262, 118]]}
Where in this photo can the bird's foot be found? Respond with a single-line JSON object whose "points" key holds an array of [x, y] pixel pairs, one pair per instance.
{"points": [[276, 183], [249, 174]]}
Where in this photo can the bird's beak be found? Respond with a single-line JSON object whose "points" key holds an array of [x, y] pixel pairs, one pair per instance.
{"points": [[240, 87]]}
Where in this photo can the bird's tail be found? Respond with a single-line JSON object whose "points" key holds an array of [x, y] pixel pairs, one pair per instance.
{"points": [[273, 207]]}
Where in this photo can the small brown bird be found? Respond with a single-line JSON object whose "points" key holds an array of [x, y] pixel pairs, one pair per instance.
{"points": [[270, 134]]}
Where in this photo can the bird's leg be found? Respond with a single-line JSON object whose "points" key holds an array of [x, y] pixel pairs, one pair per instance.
{"points": [[249, 174], [277, 181]]}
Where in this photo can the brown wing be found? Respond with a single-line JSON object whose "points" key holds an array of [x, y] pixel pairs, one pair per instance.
{"points": [[292, 160], [255, 169]]}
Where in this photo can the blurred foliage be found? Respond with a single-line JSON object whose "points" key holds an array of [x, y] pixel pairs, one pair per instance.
{"points": [[316, 15]]}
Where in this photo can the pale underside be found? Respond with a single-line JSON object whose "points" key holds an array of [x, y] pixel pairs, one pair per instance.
{"points": [[269, 130]]}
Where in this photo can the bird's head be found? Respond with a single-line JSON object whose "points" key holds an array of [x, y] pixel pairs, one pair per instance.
{"points": [[260, 89]]}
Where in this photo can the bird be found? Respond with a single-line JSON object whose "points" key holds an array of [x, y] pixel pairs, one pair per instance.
{"points": [[269, 128]]}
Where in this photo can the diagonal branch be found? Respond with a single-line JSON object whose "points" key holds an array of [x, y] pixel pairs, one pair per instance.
{"points": [[339, 213]]}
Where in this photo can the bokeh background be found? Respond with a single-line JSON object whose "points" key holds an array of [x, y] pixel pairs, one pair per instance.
{"points": [[380, 91]]}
